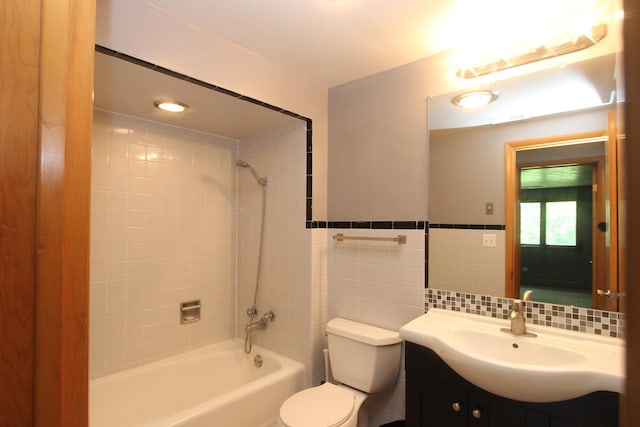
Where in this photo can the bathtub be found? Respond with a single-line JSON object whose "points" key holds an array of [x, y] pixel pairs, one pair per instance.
{"points": [[213, 386]]}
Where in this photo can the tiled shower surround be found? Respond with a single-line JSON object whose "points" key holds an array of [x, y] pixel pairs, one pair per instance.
{"points": [[571, 318], [174, 219], [291, 282], [162, 231]]}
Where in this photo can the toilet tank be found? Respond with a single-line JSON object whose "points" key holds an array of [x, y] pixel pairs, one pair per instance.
{"points": [[362, 356]]}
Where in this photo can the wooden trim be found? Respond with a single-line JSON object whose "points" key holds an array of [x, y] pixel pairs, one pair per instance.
{"points": [[599, 280], [62, 266], [512, 255], [19, 32], [612, 196], [629, 225], [511, 244]]}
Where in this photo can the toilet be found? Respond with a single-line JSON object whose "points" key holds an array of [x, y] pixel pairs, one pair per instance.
{"points": [[364, 359]]}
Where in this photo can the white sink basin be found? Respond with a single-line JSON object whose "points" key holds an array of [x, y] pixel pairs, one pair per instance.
{"points": [[553, 366]]}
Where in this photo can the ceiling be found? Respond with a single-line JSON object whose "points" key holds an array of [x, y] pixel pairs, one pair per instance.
{"points": [[331, 42], [131, 89]]}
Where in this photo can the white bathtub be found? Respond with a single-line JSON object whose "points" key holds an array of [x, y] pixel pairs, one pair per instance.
{"points": [[213, 386]]}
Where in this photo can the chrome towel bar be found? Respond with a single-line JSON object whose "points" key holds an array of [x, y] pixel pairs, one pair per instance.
{"points": [[401, 239]]}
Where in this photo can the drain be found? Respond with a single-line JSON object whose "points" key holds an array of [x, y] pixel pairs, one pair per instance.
{"points": [[257, 361], [515, 345]]}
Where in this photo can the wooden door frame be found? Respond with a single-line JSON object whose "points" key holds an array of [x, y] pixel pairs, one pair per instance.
{"points": [[47, 108], [512, 185], [629, 225]]}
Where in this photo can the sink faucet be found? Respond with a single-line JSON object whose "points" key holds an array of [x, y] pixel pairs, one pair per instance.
{"points": [[518, 321]]}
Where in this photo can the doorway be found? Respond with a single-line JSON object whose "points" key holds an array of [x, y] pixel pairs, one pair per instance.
{"points": [[559, 244], [530, 259]]}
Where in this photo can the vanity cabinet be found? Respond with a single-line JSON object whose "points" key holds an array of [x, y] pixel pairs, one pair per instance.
{"points": [[439, 397]]}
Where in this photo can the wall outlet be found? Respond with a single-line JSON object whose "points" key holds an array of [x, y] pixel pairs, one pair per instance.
{"points": [[489, 240]]}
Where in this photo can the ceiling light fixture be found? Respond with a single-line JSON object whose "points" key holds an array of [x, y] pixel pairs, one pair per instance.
{"points": [[474, 98], [558, 46], [171, 106]]}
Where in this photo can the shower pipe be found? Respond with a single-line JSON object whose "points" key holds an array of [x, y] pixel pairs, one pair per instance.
{"points": [[252, 312]]}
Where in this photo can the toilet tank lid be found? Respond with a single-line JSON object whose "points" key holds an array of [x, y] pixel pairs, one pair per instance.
{"points": [[367, 334]]}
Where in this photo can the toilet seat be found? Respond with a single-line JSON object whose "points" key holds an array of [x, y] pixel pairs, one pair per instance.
{"points": [[325, 406]]}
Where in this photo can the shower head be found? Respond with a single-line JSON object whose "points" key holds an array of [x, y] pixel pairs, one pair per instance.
{"points": [[243, 164]]}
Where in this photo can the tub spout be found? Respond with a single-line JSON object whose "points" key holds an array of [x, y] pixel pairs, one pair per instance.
{"points": [[262, 323]]}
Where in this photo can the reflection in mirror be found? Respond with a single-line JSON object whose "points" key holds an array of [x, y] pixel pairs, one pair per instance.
{"points": [[557, 201], [469, 217]]}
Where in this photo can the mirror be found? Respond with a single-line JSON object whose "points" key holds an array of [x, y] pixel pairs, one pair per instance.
{"points": [[543, 124]]}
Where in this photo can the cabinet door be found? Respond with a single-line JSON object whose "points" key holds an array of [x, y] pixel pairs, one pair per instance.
{"points": [[443, 406]]}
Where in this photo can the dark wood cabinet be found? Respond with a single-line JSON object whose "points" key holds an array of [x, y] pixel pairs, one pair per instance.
{"points": [[438, 397]]}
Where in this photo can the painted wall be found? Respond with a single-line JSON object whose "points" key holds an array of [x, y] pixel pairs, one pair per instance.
{"points": [[378, 153], [467, 169]]}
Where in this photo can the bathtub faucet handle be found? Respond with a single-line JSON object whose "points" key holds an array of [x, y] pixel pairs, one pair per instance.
{"points": [[269, 315]]}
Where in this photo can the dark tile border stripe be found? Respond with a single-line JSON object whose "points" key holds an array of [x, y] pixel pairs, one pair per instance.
{"points": [[469, 226], [308, 121], [373, 225]]}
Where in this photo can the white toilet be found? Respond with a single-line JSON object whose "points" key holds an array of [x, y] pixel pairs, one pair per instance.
{"points": [[364, 359]]}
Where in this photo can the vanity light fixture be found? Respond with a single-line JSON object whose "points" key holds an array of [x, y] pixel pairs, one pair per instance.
{"points": [[171, 106], [474, 98], [557, 46]]}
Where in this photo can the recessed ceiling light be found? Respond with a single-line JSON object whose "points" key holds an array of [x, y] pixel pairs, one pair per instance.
{"points": [[475, 98], [171, 106]]}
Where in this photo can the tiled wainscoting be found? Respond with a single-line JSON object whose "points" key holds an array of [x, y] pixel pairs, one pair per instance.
{"points": [[578, 319], [380, 283], [457, 260]]}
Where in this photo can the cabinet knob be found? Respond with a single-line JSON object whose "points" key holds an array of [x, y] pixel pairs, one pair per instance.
{"points": [[456, 406], [477, 413]]}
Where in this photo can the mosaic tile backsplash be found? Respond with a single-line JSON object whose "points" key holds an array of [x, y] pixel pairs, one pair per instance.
{"points": [[578, 319]]}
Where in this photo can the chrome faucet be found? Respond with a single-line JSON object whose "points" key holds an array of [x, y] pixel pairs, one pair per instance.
{"points": [[262, 323], [518, 322], [516, 317]]}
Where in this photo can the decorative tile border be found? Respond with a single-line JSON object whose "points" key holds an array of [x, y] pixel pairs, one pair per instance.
{"points": [[578, 319]]}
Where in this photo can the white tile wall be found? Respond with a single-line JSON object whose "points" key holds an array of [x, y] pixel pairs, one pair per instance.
{"points": [[162, 231], [378, 283], [459, 262], [289, 280]]}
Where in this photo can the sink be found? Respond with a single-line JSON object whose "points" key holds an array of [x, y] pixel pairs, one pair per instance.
{"points": [[552, 366]]}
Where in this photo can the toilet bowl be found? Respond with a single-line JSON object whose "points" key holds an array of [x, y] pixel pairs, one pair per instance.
{"points": [[364, 359], [328, 405]]}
